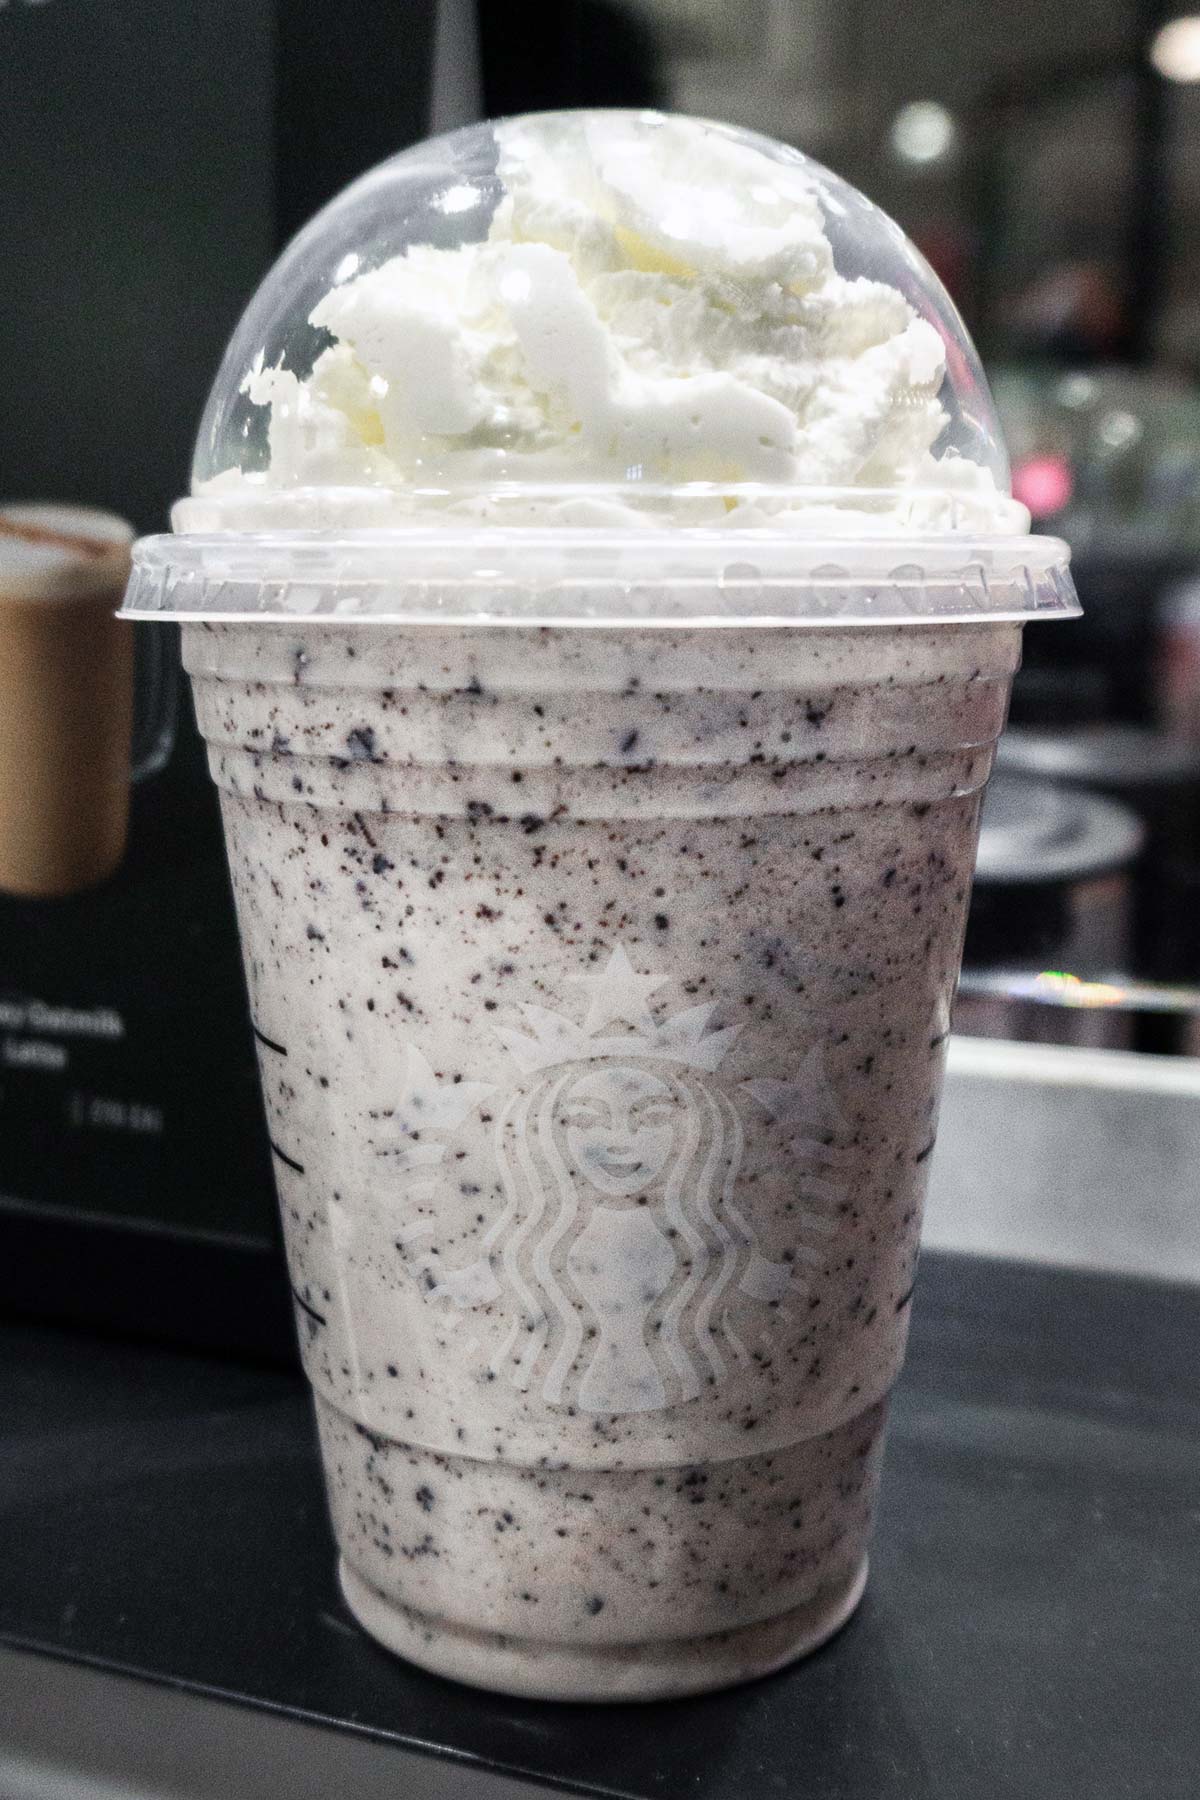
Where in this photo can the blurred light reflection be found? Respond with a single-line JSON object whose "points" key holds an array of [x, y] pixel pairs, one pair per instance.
{"points": [[1175, 51], [1059, 987], [923, 132]]}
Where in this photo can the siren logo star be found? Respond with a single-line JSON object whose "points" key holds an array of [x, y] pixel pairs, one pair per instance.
{"points": [[435, 1101], [619, 992], [807, 1105], [429, 1102]]}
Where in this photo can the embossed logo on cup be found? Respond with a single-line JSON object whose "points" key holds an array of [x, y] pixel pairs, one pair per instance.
{"points": [[620, 1273]]}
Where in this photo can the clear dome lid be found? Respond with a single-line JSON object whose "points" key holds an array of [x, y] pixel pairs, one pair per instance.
{"points": [[598, 318]]}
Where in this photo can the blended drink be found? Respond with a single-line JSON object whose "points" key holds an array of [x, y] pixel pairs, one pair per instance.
{"points": [[602, 864], [602, 982]]}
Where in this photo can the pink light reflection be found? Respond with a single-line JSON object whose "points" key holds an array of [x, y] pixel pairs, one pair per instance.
{"points": [[1043, 483]]}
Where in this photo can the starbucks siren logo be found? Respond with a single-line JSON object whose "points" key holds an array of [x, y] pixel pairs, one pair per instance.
{"points": [[619, 1267]]}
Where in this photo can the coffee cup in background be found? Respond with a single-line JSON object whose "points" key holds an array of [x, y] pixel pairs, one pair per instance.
{"points": [[66, 698]]}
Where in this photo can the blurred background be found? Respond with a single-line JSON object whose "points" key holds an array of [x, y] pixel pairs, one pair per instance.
{"points": [[1046, 159], [154, 157]]}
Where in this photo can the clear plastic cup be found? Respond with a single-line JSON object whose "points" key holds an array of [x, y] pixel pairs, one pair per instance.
{"points": [[601, 849]]}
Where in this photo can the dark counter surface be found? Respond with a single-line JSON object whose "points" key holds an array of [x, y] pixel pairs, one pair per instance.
{"points": [[1032, 1627]]}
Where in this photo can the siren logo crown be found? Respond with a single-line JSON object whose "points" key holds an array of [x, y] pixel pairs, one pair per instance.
{"points": [[619, 995]]}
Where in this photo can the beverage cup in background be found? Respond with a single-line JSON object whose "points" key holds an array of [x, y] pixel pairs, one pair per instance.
{"points": [[66, 698]]}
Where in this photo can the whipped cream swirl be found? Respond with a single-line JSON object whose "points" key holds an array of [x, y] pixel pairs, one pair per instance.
{"points": [[655, 304]]}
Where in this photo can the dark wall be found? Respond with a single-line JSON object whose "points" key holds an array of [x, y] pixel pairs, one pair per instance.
{"points": [[136, 213], [353, 87], [153, 155], [540, 54]]}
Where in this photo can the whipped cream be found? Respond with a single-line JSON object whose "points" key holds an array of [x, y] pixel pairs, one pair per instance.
{"points": [[656, 303]]}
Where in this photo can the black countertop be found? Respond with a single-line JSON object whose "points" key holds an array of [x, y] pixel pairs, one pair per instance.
{"points": [[1032, 1627]]}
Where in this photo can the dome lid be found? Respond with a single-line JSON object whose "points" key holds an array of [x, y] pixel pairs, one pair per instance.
{"points": [[602, 317]]}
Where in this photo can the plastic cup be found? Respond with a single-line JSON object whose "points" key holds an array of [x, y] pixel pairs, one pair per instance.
{"points": [[601, 974], [602, 866]]}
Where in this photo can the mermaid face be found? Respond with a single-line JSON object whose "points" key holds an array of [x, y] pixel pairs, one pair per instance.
{"points": [[620, 1128]]}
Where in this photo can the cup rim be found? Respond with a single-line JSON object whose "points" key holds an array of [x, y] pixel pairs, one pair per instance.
{"points": [[575, 576]]}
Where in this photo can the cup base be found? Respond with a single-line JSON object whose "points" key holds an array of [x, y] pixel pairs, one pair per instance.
{"points": [[666, 1670]]}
